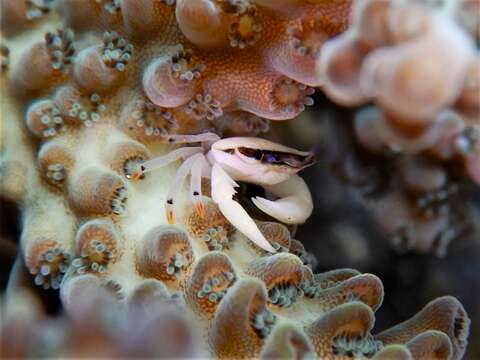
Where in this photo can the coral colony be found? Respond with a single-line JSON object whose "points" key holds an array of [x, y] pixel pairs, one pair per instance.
{"points": [[128, 125]]}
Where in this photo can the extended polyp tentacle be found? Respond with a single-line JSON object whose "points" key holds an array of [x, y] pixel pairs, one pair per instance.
{"points": [[177, 183], [295, 204], [162, 161], [200, 168], [222, 191]]}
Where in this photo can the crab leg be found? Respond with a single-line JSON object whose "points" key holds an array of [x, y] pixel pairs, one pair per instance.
{"points": [[295, 203], [177, 185], [162, 161], [208, 138], [200, 168], [223, 189]]}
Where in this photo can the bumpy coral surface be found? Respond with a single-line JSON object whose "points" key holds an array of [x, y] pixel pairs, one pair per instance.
{"points": [[93, 88]]}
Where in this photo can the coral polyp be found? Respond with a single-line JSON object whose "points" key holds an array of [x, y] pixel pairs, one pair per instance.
{"points": [[290, 96], [44, 119], [97, 245], [48, 262], [213, 228], [113, 105]]}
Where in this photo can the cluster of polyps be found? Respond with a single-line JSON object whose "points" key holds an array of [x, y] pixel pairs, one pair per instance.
{"points": [[421, 69], [396, 54], [237, 307], [110, 101], [420, 199]]}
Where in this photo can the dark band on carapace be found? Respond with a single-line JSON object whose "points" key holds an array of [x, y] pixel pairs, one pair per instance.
{"points": [[278, 157]]}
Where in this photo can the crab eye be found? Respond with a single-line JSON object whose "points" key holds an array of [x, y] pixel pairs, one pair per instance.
{"points": [[270, 158]]}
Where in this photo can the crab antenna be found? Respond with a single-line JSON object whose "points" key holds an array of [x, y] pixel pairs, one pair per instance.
{"points": [[208, 137]]}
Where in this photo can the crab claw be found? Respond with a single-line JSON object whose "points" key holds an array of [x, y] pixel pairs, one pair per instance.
{"points": [[295, 204], [272, 166], [222, 193]]}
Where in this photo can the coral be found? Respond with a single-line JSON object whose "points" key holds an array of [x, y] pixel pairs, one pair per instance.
{"points": [[96, 88], [424, 121], [339, 324]]}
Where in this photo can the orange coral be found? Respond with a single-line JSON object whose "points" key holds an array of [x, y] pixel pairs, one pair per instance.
{"points": [[237, 44]]}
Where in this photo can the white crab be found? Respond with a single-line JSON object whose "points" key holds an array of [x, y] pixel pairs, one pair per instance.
{"points": [[253, 160]]}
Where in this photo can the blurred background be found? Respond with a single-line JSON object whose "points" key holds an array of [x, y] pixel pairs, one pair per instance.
{"points": [[342, 233]]}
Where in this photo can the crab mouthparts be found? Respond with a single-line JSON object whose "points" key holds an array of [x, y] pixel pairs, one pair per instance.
{"points": [[278, 157]]}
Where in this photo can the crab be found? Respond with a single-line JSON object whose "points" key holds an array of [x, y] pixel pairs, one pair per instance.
{"points": [[252, 160]]}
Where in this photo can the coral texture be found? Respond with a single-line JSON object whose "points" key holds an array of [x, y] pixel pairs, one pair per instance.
{"points": [[94, 88]]}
